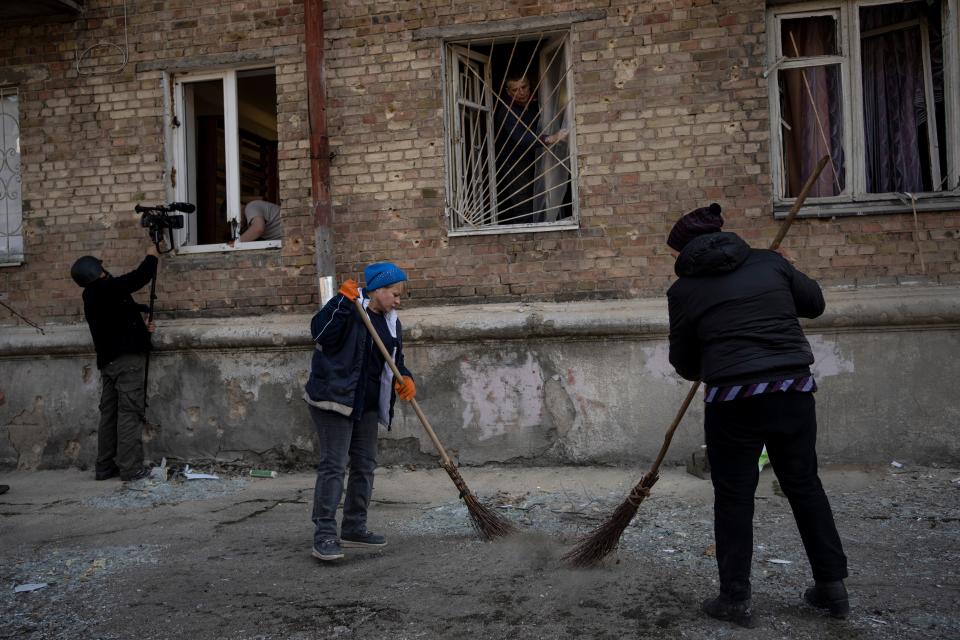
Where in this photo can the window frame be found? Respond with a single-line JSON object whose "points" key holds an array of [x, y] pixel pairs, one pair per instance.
{"points": [[854, 200], [181, 153], [9, 259], [449, 95]]}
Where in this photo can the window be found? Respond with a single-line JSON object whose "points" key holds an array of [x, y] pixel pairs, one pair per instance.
{"points": [[509, 134], [225, 141], [873, 86], [11, 201]]}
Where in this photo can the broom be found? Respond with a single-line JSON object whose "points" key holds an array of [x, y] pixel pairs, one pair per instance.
{"points": [[594, 547], [486, 522]]}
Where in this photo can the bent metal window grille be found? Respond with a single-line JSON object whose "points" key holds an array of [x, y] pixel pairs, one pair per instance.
{"points": [[509, 122], [11, 201]]}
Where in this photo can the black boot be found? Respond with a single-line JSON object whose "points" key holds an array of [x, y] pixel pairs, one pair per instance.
{"points": [[831, 596], [723, 607]]}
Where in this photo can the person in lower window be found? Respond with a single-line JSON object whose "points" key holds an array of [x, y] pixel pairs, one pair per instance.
{"points": [[259, 220], [350, 394]]}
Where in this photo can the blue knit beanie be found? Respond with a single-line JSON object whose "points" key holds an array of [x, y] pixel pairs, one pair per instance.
{"points": [[382, 274]]}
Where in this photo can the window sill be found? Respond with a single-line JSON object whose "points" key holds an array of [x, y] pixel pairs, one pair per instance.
{"points": [[924, 204], [521, 228], [225, 248], [11, 261]]}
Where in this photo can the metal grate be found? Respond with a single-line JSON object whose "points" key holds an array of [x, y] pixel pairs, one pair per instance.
{"points": [[11, 202], [509, 158]]}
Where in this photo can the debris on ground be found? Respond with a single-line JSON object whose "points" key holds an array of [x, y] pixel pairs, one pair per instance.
{"points": [[30, 586], [148, 493], [230, 559]]}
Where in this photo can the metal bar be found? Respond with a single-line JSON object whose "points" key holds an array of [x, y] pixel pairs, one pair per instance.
{"points": [[319, 148]]}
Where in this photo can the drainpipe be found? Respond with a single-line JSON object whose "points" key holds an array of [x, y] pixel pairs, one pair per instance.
{"points": [[319, 151]]}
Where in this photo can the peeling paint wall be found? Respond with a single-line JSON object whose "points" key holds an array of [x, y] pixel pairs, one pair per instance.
{"points": [[555, 384]]}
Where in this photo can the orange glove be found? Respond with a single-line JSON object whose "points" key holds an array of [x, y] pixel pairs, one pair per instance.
{"points": [[405, 388], [350, 290]]}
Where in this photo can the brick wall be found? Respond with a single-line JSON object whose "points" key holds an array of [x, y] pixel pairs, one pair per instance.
{"points": [[92, 147], [671, 114]]}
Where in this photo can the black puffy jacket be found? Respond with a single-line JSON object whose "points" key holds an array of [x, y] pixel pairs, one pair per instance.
{"points": [[115, 319], [734, 313]]}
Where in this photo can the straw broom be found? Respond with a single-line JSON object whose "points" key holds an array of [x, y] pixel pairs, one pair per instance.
{"points": [[595, 546], [486, 522]]}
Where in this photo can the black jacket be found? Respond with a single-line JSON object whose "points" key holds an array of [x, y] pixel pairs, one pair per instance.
{"points": [[734, 310], [519, 132], [340, 359], [115, 319]]}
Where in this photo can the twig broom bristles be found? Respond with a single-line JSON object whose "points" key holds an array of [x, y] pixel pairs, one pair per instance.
{"points": [[597, 545], [487, 523]]}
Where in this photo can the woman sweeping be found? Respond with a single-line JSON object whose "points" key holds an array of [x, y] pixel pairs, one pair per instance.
{"points": [[733, 324], [351, 393]]}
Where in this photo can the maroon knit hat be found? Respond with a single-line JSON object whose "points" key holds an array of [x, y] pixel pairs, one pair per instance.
{"points": [[693, 224]]}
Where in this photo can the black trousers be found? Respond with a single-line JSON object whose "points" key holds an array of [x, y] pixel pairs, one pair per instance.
{"points": [[735, 434]]}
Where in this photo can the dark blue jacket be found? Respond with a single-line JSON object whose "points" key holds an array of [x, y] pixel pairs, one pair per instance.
{"points": [[518, 136], [342, 347], [734, 310]]}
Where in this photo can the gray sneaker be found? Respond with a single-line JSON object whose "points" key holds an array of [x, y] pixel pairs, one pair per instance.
{"points": [[327, 550], [362, 539]]}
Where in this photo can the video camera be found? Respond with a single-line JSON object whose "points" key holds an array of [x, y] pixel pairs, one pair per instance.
{"points": [[159, 217]]}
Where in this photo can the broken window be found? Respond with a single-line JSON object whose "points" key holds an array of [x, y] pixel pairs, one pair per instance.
{"points": [[11, 201], [867, 85], [811, 105], [226, 154], [509, 123]]}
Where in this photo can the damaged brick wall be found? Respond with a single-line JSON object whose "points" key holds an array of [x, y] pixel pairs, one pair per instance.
{"points": [[671, 113], [92, 147]]}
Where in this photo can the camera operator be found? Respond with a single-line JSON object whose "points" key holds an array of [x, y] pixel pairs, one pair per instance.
{"points": [[121, 338]]}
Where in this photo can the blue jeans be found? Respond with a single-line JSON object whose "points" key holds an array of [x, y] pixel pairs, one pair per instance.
{"points": [[341, 441], [735, 433]]}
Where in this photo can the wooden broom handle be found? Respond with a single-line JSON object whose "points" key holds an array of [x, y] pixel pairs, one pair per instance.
{"points": [[445, 459], [784, 227]]}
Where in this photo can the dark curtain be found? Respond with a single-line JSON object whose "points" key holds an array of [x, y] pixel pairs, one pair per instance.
{"points": [[812, 110], [895, 108]]}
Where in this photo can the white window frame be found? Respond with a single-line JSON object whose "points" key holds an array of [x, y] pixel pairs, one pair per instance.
{"points": [[854, 200], [449, 51], [183, 150], [11, 188]]}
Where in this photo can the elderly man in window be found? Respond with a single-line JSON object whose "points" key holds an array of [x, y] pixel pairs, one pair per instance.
{"points": [[519, 145]]}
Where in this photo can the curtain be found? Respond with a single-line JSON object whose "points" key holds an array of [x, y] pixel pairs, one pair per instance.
{"points": [[894, 98], [551, 187], [812, 109], [894, 102]]}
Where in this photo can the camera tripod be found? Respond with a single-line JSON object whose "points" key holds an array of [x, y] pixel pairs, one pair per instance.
{"points": [[158, 218]]}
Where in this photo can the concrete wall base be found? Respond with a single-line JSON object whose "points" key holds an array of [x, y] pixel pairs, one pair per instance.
{"points": [[577, 383]]}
